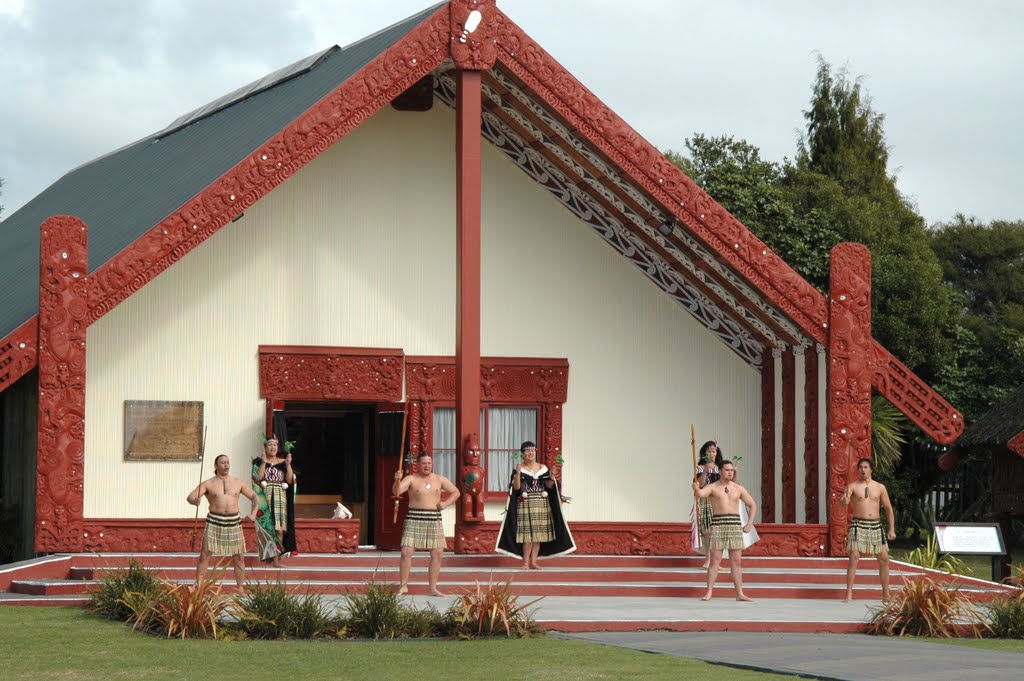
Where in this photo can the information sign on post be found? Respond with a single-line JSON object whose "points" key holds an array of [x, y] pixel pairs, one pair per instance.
{"points": [[978, 539]]}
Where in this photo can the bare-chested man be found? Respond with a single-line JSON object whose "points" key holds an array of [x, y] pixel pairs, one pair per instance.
{"points": [[866, 535], [423, 528], [726, 530], [223, 534]]}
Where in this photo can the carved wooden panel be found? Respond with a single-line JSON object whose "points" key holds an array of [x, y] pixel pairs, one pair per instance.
{"points": [[60, 454], [768, 440], [789, 490], [476, 49], [18, 352], [811, 448], [849, 378], [661, 539], [368, 375], [1016, 444], [432, 379], [177, 535], [671, 539]]}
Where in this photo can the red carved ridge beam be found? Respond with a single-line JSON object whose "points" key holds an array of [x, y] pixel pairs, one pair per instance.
{"points": [[849, 379], [60, 452]]}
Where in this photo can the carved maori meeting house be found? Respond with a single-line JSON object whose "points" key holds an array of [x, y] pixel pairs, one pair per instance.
{"points": [[436, 227]]}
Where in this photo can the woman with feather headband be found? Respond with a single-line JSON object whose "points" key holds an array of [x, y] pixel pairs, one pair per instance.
{"points": [[533, 525]]}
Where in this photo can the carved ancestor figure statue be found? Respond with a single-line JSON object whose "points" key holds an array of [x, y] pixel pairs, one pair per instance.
{"points": [[473, 482]]}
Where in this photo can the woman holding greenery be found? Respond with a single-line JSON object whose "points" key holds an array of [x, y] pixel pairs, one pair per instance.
{"points": [[274, 483], [533, 525]]}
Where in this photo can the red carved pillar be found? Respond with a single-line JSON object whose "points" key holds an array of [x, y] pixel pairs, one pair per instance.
{"points": [[788, 437], [552, 442], [467, 335], [811, 449], [60, 454], [416, 429], [849, 378], [768, 438], [473, 50]]}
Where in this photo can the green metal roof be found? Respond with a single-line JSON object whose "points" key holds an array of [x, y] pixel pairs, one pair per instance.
{"points": [[123, 194]]}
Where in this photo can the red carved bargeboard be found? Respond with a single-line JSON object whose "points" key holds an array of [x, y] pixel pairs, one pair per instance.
{"points": [[708, 220], [18, 352], [60, 453], [322, 373], [849, 378], [177, 535]]}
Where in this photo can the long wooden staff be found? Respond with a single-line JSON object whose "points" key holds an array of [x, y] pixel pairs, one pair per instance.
{"points": [[693, 450], [401, 461], [202, 462]]}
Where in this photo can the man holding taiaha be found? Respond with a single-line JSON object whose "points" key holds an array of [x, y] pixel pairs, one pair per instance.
{"points": [[866, 497], [223, 534], [726, 532], [423, 528]]}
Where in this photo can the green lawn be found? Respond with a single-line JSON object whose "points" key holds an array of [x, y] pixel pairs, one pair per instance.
{"points": [[1005, 644], [67, 644]]}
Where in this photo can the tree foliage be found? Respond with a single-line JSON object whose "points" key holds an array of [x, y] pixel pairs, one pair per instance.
{"points": [[985, 265], [838, 189]]}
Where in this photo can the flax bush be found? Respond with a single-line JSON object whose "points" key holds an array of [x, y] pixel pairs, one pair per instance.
{"points": [[926, 608], [491, 610], [1006, 616], [119, 594]]}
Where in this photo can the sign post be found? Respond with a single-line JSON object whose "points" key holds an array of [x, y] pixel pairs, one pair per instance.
{"points": [[975, 539]]}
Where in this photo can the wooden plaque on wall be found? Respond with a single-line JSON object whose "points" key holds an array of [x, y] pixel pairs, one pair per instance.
{"points": [[163, 430]]}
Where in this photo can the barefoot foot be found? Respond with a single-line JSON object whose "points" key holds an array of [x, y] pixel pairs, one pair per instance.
{"points": [[744, 597], [435, 592], [402, 590], [706, 598]]}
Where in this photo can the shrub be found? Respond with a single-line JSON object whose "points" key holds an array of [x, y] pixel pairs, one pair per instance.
{"points": [[311, 617], [423, 622], [1016, 576], [377, 613], [925, 608], [1006, 616], [927, 556], [264, 612], [120, 593], [491, 611], [268, 611], [184, 610]]}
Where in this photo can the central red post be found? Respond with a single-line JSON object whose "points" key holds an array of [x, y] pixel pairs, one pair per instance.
{"points": [[467, 273]]}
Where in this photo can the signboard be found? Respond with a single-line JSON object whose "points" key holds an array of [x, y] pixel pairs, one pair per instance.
{"points": [[983, 539], [163, 431]]}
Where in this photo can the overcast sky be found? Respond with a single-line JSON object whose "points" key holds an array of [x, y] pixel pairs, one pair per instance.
{"points": [[79, 78]]}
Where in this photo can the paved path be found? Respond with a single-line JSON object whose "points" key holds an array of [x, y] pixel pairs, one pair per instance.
{"points": [[850, 657]]}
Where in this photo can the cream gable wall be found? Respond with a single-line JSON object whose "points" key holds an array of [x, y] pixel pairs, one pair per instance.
{"points": [[357, 249]]}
